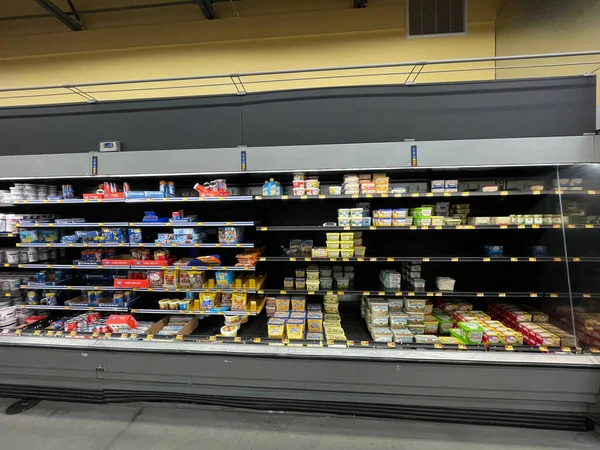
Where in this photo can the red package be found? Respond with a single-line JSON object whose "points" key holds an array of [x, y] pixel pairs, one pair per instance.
{"points": [[118, 323]]}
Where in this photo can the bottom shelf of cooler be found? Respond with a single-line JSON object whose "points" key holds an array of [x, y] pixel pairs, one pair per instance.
{"points": [[207, 329]]}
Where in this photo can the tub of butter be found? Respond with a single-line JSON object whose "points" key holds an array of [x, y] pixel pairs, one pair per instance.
{"points": [[379, 321], [295, 328], [382, 334], [449, 340], [415, 305], [333, 253], [415, 318], [379, 307], [319, 252], [276, 328], [314, 336], [472, 332], [426, 339], [402, 336], [344, 221], [347, 253], [431, 325], [416, 329], [398, 320], [395, 304], [344, 245], [314, 321]]}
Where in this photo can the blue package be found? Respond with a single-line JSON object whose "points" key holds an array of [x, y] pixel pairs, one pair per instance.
{"points": [[135, 235], [493, 250], [114, 234]]}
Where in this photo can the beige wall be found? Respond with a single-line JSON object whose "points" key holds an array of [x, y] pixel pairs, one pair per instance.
{"points": [[548, 26], [268, 35]]}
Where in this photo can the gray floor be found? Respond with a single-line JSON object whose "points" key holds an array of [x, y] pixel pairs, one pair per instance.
{"points": [[66, 426]]}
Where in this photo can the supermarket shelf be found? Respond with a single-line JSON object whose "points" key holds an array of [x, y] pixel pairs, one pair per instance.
{"points": [[65, 266], [126, 267], [76, 245], [204, 244], [133, 224], [430, 259], [232, 198], [113, 288], [237, 198], [192, 224], [430, 195], [73, 225], [189, 268], [123, 244], [218, 339], [389, 293], [75, 308], [413, 227]]}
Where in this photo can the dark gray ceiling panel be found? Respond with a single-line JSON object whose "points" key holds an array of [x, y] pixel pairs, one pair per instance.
{"points": [[200, 122], [503, 109], [327, 116]]}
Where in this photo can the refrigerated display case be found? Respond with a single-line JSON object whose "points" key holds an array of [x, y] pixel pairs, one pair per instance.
{"points": [[457, 286]]}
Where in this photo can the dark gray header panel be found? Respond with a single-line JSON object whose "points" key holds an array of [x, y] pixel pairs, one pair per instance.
{"points": [[473, 110]]}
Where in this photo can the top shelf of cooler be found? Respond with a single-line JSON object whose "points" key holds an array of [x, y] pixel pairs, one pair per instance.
{"points": [[136, 224], [310, 197]]}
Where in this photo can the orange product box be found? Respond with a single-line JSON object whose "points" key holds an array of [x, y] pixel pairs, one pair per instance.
{"points": [[126, 282], [121, 323]]}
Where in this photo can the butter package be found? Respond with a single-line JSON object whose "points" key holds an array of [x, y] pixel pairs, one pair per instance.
{"points": [[402, 335], [298, 303], [382, 334], [276, 328], [296, 315], [426, 339], [379, 321], [395, 304], [314, 336], [379, 307], [473, 332], [295, 328], [431, 325], [314, 322], [398, 320], [282, 314], [282, 303], [449, 340], [414, 305]]}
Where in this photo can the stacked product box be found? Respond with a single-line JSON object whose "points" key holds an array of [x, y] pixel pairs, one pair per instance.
{"points": [[344, 245], [396, 217], [332, 322], [354, 217], [588, 328], [532, 324], [401, 320], [412, 276], [289, 318]]}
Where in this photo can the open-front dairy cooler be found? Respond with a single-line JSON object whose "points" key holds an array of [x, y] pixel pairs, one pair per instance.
{"points": [[391, 291]]}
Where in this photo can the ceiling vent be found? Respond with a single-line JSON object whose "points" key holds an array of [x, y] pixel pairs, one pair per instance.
{"points": [[436, 17]]}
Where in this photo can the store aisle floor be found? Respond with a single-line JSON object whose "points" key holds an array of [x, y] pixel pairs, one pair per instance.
{"points": [[67, 426]]}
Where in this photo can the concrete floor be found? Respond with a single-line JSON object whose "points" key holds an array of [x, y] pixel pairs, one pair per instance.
{"points": [[67, 426]]}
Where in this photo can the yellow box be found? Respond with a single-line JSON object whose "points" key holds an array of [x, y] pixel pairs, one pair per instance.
{"points": [[295, 328], [333, 253], [314, 322], [298, 304], [347, 253], [347, 237], [276, 328], [282, 304], [345, 245], [333, 237]]}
